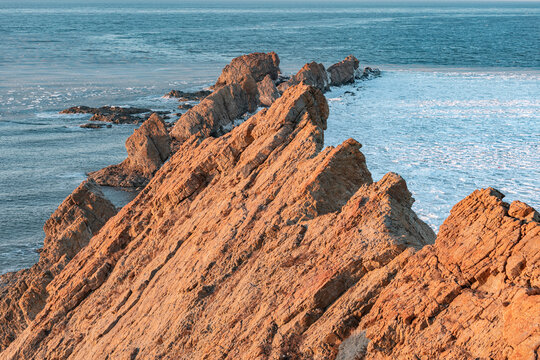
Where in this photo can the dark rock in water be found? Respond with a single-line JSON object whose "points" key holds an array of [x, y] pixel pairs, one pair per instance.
{"points": [[188, 96], [312, 73], [113, 114], [185, 106], [350, 93], [369, 73], [148, 148], [117, 119], [105, 110], [343, 72], [93, 126], [281, 79]]}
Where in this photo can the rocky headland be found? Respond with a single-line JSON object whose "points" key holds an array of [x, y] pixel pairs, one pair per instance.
{"points": [[250, 240]]}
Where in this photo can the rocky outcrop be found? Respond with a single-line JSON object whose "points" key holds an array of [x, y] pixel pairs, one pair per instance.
{"points": [[148, 148], [313, 74], [94, 126], [68, 230], [344, 72], [243, 85], [476, 291], [255, 66], [112, 114], [369, 73], [237, 247], [260, 244], [188, 96]]}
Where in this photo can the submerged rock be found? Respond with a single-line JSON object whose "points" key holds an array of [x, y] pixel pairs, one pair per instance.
{"points": [[185, 106], [148, 148], [23, 294], [369, 73], [92, 126]]}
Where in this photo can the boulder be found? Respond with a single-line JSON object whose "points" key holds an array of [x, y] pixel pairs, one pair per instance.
{"points": [[148, 148], [255, 65], [23, 294], [313, 74], [343, 72]]}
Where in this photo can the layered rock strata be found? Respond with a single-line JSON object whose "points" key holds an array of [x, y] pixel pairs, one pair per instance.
{"points": [[23, 294], [313, 74], [237, 247], [148, 148], [344, 72], [260, 244], [246, 83]]}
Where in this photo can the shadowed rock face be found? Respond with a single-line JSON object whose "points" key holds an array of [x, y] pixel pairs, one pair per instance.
{"points": [[267, 91], [255, 65], [148, 148], [68, 230]]}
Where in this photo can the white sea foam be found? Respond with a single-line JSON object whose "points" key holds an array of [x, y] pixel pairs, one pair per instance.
{"points": [[447, 134]]}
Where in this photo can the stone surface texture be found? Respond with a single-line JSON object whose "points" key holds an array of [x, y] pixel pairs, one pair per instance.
{"points": [[23, 294], [257, 242], [148, 148]]}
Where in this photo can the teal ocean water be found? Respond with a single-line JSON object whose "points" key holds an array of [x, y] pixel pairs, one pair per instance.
{"points": [[457, 107]]}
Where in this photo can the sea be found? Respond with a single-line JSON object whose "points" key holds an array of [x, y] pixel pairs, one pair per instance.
{"points": [[457, 107]]}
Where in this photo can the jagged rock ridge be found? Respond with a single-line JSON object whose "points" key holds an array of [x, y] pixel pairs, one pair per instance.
{"points": [[260, 244], [24, 294]]}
